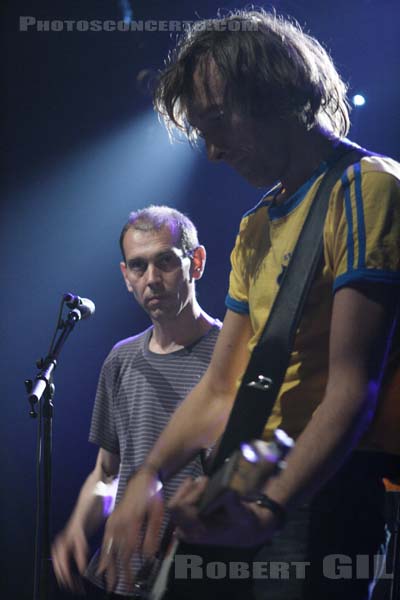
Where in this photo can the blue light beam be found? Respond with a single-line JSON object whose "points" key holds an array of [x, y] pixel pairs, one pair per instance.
{"points": [[127, 12]]}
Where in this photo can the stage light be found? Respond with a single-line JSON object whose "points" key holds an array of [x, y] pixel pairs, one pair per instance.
{"points": [[358, 100], [127, 11]]}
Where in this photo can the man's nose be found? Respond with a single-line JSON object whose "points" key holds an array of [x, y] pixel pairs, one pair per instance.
{"points": [[153, 274]]}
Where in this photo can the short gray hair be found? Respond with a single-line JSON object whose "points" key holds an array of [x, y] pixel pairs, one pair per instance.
{"points": [[154, 218]]}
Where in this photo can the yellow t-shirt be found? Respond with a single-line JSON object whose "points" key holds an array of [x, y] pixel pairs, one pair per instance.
{"points": [[361, 243]]}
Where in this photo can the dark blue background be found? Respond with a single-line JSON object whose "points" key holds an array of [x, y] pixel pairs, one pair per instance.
{"points": [[81, 149]]}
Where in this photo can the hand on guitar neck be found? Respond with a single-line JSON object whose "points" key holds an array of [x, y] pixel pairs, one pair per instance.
{"points": [[205, 510]]}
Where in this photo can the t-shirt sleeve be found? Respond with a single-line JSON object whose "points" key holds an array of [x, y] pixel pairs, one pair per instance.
{"points": [[237, 298], [103, 429], [362, 234]]}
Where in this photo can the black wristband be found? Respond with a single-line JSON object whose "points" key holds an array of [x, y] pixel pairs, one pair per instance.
{"points": [[276, 508]]}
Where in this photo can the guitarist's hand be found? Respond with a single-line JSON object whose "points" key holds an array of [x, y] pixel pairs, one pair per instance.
{"points": [[235, 523], [140, 506]]}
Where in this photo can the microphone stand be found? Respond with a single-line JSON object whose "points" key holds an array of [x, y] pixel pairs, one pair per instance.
{"points": [[41, 392]]}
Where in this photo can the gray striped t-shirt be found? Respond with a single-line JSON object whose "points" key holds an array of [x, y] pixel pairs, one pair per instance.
{"points": [[137, 393]]}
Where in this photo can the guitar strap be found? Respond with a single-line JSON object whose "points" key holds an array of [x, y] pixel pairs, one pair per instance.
{"points": [[266, 370]]}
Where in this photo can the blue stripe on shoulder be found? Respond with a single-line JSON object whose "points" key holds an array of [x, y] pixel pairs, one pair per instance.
{"points": [[349, 217], [370, 275], [236, 305], [360, 216]]}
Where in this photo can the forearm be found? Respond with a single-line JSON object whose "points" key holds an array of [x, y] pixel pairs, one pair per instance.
{"points": [[94, 503], [332, 433]]}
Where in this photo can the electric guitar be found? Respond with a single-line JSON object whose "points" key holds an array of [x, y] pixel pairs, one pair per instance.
{"points": [[245, 474]]}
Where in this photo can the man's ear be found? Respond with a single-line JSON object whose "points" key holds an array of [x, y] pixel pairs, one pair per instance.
{"points": [[198, 262], [124, 275]]}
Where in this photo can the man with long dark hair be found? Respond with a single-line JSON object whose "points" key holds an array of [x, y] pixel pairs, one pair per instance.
{"points": [[267, 100]]}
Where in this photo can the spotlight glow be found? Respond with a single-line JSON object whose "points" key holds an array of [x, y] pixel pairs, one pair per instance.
{"points": [[127, 11], [358, 100]]}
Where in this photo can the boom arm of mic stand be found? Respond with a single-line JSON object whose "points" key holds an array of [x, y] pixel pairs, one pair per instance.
{"points": [[43, 378]]}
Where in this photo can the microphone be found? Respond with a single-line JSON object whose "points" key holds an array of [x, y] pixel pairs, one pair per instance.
{"points": [[85, 306]]}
